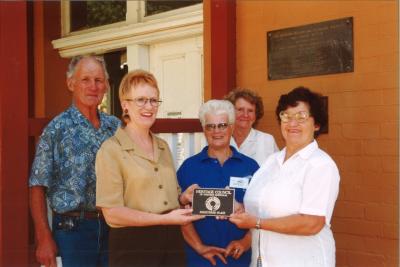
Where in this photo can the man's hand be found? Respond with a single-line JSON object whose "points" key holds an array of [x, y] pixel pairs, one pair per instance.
{"points": [[46, 251], [209, 252]]}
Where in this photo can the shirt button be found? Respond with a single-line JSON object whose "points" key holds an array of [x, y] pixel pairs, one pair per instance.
{"points": [[165, 203], [156, 169], [160, 186]]}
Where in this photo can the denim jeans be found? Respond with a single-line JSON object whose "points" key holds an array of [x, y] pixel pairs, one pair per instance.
{"points": [[81, 242]]}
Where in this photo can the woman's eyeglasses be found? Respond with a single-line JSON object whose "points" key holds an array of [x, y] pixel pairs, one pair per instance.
{"points": [[142, 101], [212, 126], [300, 116]]}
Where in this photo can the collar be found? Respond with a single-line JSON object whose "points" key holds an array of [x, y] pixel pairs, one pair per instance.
{"points": [[78, 118], [105, 121], [235, 154], [124, 140], [307, 151], [127, 144], [304, 153], [252, 136]]}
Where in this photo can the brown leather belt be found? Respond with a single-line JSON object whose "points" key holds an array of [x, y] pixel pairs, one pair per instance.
{"points": [[85, 214]]}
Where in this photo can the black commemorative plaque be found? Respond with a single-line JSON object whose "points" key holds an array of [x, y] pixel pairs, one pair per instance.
{"points": [[314, 49], [213, 201]]}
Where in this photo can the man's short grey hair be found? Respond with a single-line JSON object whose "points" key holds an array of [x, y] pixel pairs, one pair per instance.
{"points": [[76, 59], [217, 107]]}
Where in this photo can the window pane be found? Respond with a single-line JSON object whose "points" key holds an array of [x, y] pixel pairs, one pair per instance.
{"points": [[88, 14], [154, 7]]}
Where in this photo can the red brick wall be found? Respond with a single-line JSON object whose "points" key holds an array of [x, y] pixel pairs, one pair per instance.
{"points": [[363, 113]]}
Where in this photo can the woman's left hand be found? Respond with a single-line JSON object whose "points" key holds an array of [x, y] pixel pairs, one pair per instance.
{"points": [[243, 220], [181, 217]]}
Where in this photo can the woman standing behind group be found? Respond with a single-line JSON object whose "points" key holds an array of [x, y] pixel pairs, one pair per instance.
{"points": [[137, 185], [291, 197], [249, 141]]}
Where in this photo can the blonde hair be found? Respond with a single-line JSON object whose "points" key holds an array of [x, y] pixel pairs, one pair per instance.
{"points": [[131, 80]]}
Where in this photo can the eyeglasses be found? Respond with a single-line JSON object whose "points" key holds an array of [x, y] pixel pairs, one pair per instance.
{"points": [[142, 101], [212, 126], [300, 116]]}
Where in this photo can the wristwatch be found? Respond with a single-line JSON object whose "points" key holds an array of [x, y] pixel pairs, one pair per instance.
{"points": [[258, 223]]}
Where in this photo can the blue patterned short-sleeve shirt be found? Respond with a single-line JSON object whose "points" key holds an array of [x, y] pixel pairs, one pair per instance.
{"points": [[65, 158]]}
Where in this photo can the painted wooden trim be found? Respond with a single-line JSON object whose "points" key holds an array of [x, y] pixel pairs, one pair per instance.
{"points": [[177, 126], [36, 126], [223, 48], [13, 137], [121, 34]]}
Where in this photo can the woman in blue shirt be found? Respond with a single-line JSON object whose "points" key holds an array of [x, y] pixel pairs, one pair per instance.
{"points": [[212, 242]]}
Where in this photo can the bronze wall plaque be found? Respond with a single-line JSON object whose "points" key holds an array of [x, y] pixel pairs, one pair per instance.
{"points": [[314, 49]]}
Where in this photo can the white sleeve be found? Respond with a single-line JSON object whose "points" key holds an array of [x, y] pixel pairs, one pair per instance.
{"points": [[276, 149], [320, 190]]}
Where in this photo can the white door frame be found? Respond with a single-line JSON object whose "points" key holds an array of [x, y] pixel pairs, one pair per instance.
{"points": [[135, 33]]}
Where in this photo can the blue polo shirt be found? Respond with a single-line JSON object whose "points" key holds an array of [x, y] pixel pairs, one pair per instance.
{"points": [[207, 172]]}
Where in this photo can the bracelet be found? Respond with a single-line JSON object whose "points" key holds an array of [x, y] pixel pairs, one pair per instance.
{"points": [[258, 223]]}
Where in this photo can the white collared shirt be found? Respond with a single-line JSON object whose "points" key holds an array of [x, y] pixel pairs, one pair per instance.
{"points": [[257, 145], [306, 183]]}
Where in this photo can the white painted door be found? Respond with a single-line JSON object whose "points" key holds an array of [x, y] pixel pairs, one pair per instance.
{"points": [[178, 67]]}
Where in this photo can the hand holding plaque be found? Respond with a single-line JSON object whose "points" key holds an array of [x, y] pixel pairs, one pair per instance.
{"points": [[213, 201]]}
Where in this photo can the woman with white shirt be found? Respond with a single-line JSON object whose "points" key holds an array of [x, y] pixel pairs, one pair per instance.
{"points": [[290, 200], [249, 141]]}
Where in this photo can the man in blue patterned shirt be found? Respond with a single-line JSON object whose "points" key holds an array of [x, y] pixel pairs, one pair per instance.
{"points": [[63, 172]]}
